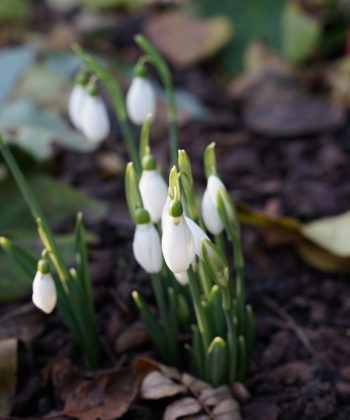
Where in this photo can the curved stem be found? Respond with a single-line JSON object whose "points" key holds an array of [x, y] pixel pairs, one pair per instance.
{"points": [[117, 99], [164, 72]]}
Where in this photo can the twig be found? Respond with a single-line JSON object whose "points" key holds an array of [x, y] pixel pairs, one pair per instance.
{"points": [[298, 331]]}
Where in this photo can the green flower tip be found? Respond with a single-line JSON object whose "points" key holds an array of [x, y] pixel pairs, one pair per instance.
{"points": [[140, 70], [4, 241], [149, 163], [142, 216], [92, 88], [82, 78], [43, 266], [176, 209]]}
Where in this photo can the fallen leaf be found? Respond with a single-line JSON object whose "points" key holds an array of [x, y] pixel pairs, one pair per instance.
{"points": [[274, 104], [186, 40], [156, 386], [8, 374], [311, 241], [65, 377], [36, 130], [133, 337], [259, 19], [108, 396], [301, 33], [24, 324], [331, 233], [180, 408], [210, 403]]}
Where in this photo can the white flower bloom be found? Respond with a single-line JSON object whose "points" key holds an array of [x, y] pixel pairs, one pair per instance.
{"points": [[177, 244], [76, 101], [198, 236], [182, 278], [94, 122], [140, 100], [154, 192], [165, 211], [210, 212], [146, 248], [44, 292]]}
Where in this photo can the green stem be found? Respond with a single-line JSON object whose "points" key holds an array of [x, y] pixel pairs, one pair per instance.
{"points": [[164, 72], [116, 96], [200, 314], [239, 286]]}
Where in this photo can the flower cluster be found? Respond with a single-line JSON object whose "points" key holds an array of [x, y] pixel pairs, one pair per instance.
{"points": [[172, 242]]}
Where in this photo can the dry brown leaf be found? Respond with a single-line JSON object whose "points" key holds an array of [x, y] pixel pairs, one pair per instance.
{"points": [[133, 337], [321, 243], [181, 408], [8, 374], [210, 403], [186, 40], [156, 386], [108, 395], [65, 377]]}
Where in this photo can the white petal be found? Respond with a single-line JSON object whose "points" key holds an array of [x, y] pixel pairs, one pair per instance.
{"points": [[177, 244], [210, 214], [94, 122], [76, 101], [140, 100], [147, 249], [213, 186], [44, 292], [165, 211], [154, 192], [182, 278], [198, 236]]}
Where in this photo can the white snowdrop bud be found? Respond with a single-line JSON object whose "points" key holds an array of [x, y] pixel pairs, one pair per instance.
{"points": [[76, 101], [140, 100], [210, 212], [146, 244], [198, 236], [94, 121], [153, 189], [44, 290], [182, 278], [177, 241]]}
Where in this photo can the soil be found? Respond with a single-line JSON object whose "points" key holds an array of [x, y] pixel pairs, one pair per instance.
{"points": [[301, 364]]}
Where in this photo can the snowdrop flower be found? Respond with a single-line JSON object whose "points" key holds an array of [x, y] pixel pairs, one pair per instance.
{"points": [[198, 236], [153, 189], [140, 100], [182, 278], [94, 122], [77, 98], [210, 212], [177, 241], [146, 244], [44, 290]]}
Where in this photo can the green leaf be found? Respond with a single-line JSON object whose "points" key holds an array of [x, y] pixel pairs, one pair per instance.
{"points": [[300, 33], [59, 201], [217, 361], [252, 19], [36, 130], [14, 10]]}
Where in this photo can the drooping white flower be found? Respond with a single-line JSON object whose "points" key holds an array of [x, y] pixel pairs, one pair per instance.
{"points": [[198, 236], [165, 211], [210, 212], [75, 105], [94, 121], [146, 247], [154, 192], [140, 100], [182, 278], [44, 292], [177, 244]]}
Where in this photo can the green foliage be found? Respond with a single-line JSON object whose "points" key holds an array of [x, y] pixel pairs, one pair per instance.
{"points": [[252, 19]]}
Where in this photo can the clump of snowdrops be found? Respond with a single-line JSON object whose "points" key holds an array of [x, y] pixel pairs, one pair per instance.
{"points": [[184, 246]]}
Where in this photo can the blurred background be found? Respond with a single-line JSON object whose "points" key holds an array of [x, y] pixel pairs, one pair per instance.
{"points": [[269, 82]]}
